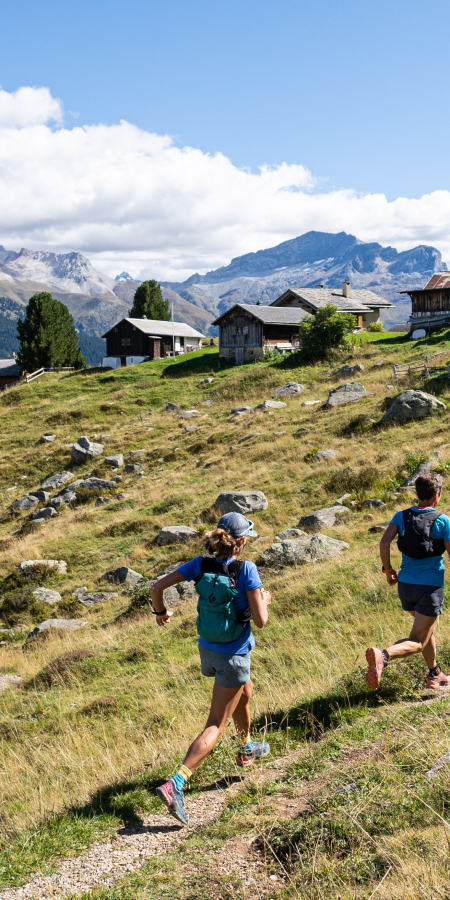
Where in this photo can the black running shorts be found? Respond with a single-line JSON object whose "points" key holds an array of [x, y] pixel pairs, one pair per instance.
{"points": [[426, 599]]}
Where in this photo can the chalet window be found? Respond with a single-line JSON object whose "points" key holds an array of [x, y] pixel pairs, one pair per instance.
{"points": [[126, 342], [233, 331]]}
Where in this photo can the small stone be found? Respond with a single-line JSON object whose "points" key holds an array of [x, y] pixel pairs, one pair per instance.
{"points": [[32, 566], [104, 437], [48, 513], [325, 454], [322, 518], [116, 479], [240, 410], [123, 575], [374, 529], [289, 533], [59, 624], [175, 534], [289, 390], [114, 461], [277, 433], [91, 599], [45, 595], [56, 481], [42, 496], [132, 469], [171, 406], [25, 503], [136, 454], [84, 450], [241, 501], [439, 764], [342, 499], [95, 484], [139, 402], [189, 413], [122, 496], [249, 437], [346, 393], [189, 428], [422, 469], [380, 362], [57, 503], [270, 404], [205, 381], [48, 438], [374, 504], [102, 501], [348, 371], [311, 402], [207, 402]]}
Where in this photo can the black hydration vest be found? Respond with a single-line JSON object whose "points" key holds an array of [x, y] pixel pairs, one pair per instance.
{"points": [[417, 542]]}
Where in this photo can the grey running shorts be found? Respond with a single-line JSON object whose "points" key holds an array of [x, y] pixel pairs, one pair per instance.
{"points": [[426, 599], [231, 670]]}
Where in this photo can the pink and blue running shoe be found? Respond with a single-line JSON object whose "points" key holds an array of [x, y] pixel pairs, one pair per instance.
{"points": [[251, 751], [173, 799]]}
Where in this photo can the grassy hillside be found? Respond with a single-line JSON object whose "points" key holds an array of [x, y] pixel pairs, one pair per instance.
{"points": [[104, 712]]}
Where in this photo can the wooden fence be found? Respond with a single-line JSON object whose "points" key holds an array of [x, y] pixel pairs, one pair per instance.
{"points": [[33, 375], [429, 365]]}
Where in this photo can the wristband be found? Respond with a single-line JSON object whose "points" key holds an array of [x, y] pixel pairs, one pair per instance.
{"points": [[163, 613], [386, 571]]}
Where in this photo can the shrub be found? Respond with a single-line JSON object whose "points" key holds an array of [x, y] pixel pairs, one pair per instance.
{"points": [[375, 327], [326, 333]]}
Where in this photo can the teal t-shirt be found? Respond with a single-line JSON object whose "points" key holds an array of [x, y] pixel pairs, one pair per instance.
{"points": [[423, 571]]}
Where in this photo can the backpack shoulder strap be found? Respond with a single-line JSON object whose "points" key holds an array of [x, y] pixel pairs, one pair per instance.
{"points": [[234, 569]]}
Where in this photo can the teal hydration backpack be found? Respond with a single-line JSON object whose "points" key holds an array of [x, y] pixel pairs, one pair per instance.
{"points": [[217, 620]]}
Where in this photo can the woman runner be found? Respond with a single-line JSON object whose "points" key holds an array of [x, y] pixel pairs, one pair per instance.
{"points": [[227, 662]]}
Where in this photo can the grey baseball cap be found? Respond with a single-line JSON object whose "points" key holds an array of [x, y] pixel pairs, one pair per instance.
{"points": [[237, 524]]}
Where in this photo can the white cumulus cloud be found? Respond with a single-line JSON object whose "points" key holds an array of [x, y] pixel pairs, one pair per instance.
{"points": [[130, 199]]}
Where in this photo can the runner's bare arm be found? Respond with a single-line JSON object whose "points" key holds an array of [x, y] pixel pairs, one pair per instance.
{"points": [[157, 595], [258, 601], [447, 547], [385, 553]]}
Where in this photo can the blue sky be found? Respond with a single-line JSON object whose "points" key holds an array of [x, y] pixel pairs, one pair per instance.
{"points": [[353, 92], [356, 91]]}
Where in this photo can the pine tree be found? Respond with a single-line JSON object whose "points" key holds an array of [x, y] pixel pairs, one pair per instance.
{"points": [[47, 335], [148, 301]]}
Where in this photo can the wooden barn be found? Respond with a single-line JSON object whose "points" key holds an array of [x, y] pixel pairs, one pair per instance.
{"points": [[10, 371], [430, 306], [247, 332], [132, 341]]}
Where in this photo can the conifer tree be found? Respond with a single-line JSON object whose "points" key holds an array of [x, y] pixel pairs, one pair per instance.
{"points": [[149, 301], [47, 335]]}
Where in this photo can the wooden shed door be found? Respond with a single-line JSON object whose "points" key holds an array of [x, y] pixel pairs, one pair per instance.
{"points": [[240, 356]]}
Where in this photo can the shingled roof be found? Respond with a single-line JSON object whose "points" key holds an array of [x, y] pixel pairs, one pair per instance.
{"points": [[360, 301], [269, 315]]}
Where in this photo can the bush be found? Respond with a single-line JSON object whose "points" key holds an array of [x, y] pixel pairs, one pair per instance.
{"points": [[326, 333], [375, 327]]}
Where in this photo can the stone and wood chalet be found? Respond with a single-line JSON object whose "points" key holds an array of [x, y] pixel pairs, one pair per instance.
{"points": [[247, 332], [430, 306], [10, 371], [133, 341]]}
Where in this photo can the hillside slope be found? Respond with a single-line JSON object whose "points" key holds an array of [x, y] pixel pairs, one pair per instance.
{"points": [[105, 711]]}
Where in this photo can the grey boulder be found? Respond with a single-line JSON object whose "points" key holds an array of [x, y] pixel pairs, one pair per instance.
{"points": [[45, 595], [325, 454], [322, 518], [241, 502], [307, 549], [56, 481], [103, 501], [25, 503], [175, 534], [85, 449], [188, 429], [288, 390], [32, 566], [374, 504], [240, 410], [171, 406], [95, 484], [116, 460], [48, 438], [42, 496], [346, 393], [289, 534], [348, 371], [136, 454], [59, 624], [88, 598], [48, 513], [270, 404], [189, 413], [422, 469], [133, 469], [412, 405], [380, 362], [123, 575]]}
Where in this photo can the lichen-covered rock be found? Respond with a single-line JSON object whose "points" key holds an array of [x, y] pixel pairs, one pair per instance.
{"points": [[56, 481], [85, 449], [270, 404], [175, 534], [307, 549], [412, 405], [322, 518], [48, 513], [289, 534], [374, 503], [58, 624], [347, 371], [288, 390], [136, 454], [25, 503], [325, 454], [45, 595], [241, 501], [33, 566], [116, 460], [42, 496], [133, 469], [95, 484], [189, 413], [346, 393], [422, 469]]}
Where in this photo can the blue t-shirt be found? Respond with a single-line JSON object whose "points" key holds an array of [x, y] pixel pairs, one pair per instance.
{"points": [[248, 580], [423, 571]]}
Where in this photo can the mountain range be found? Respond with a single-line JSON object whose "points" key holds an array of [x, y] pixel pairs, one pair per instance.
{"points": [[97, 301]]}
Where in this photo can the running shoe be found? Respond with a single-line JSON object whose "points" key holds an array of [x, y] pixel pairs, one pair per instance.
{"points": [[250, 752], [174, 800], [377, 662], [438, 681]]}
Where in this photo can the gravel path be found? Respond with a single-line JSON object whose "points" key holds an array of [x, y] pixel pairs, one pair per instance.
{"points": [[104, 863]]}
